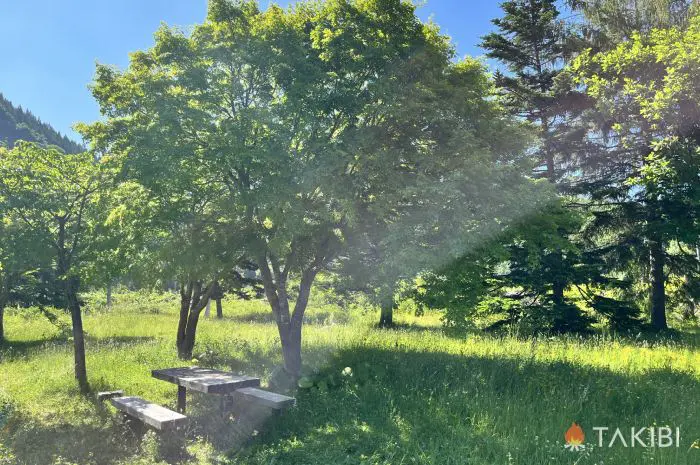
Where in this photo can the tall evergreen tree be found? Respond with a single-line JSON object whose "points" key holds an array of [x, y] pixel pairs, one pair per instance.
{"points": [[534, 44]]}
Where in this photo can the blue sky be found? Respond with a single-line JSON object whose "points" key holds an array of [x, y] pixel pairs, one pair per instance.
{"points": [[48, 48]]}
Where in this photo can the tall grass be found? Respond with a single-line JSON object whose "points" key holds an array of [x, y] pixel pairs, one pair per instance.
{"points": [[411, 395]]}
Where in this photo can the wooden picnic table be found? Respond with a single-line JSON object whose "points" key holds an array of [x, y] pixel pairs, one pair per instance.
{"points": [[206, 380]]}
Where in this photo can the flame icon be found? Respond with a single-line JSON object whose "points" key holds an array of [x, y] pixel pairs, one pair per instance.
{"points": [[574, 437]]}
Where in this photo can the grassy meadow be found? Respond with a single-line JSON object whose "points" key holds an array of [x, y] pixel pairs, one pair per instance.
{"points": [[410, 395]]}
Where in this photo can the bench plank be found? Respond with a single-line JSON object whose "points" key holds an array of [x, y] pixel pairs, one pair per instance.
{"points": [[266, 398], [205, 380], [151, 414]]}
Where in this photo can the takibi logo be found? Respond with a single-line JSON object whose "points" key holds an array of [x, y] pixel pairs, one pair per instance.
{"points": [[575, 437], [646, 437]]}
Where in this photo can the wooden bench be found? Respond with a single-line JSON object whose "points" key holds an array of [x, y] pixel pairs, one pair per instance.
{"points": [[153, 415], [264, 398]]}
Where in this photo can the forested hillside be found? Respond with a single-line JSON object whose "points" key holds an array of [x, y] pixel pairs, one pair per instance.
{"points": [[17, 123]]}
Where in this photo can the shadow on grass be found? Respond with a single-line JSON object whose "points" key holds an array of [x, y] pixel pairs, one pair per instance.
{"points": [[248, 317], [688, 337], [11, 350], [432, 407], [100, 438]]}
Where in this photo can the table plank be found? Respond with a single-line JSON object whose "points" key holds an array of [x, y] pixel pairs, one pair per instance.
{"points": [[205, 380]]}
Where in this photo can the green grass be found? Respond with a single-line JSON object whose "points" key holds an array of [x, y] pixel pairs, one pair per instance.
{"points": [[413, 395]]}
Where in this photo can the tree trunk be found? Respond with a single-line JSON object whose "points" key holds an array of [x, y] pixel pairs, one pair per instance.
{"points": [[558, 291], [548, 155], [190, 335], [4, 297], [292, 351], [207, 309], [290, 335], [185, 301], [219, 309], [558, 285], [386, 317], [289, 326], [658, 282], [694, 310], [193, 299], [2, 321], [217, 295], [72, 286], [558, 280], [550, 167]]}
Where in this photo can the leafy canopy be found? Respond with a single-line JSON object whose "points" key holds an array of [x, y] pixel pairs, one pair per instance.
{"points": [[305, 125]]}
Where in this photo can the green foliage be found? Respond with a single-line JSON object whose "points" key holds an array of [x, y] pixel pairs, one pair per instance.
{"points": [[516, 277], [621, 316], [345, 136], [458, 289], [25, 274], [537, 256], [610, 22], [534, 44], [6, 456], [54, 197], [540, 319]]}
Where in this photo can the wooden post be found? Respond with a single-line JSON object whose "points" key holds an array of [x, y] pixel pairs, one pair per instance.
{"points": [[181, 399]]}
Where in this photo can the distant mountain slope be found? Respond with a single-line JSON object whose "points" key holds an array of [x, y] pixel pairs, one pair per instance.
{"points": [[18, 124]]}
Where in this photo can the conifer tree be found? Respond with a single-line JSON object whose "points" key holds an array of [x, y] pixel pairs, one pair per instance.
{"points": [[534, 44]]}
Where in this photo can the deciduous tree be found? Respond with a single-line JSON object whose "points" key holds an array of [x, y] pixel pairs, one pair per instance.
{"points": [[313, 122], [54, 195]]}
